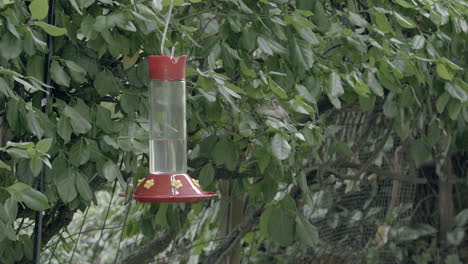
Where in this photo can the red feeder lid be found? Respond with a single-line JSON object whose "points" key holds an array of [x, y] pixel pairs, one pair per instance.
{"points": [[167, 68], [170, 188]]}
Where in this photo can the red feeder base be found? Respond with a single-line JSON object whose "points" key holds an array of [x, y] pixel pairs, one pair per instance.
{"points": [[170, 188]]}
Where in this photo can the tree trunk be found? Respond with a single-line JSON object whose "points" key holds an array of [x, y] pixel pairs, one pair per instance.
{"points": [[232, 213], [445, 199]]}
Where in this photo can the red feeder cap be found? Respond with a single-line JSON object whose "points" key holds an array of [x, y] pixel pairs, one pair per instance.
{"points": [[167, 68]]}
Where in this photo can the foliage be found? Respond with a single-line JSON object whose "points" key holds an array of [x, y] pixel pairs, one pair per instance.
{"points": [[268, 82]]}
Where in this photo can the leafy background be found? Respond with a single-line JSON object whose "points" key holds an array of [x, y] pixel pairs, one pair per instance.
{"points": [[293, 107]]}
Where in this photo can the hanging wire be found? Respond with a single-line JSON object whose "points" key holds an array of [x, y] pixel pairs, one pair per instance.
{"points": [[104, 224], [168, 20], [123, 229], [79, 234]]}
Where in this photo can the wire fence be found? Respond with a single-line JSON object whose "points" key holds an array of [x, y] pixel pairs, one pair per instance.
{"points": [[362, 210], [350, 215]]}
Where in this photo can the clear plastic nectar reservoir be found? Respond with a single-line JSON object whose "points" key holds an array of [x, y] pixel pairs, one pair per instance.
{"points": [[168, 181], [168, 140]]}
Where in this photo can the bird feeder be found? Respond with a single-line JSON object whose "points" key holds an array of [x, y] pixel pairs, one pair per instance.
{"points": [[168, 181]]}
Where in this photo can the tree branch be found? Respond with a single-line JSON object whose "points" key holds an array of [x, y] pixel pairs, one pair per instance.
{"points": [[147, 252], [234, 237]]}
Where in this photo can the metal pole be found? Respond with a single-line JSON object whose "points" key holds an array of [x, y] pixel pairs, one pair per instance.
{"points": [[47, 108]]}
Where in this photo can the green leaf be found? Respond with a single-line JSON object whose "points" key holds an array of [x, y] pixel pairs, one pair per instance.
{"points": [[33, 124], [110, 141], [78, 74], [34, 200], [79, 153], [3, 165], [359, 86], [64, 179], [415, 231], [263, 158], [357, 20], [418, 42], [100, 24], [443, 72], [281, 226], [110, 170], [51, 30], [161, 216], [18, 153], [307, 233], [83, 187], [64, 128], [453, 259], [453, 109], [461, 219], [44, 145], [234, 88], [420, 152], [374, 84], [207, 175], [341, 149], [105, 83], [12, 116], [11, 208], [277, 89], [302, 53], [79, 124], [456, 92], [228, 92], [455, 237], [308, 35], [3, 214], [382, 22], [58, 75], [335, 88], [442, 102], [5, 89], [225, 153], [39, 9], [452, 65], [10, 46], [264, 221], [403, 21], [30, 197], [21, 145], [406, 98], [35, 165], [75, 6], [104, 120], [205, 83], [264, 46], [246, 70], [248, 40], [129, 102], [280, 147], [18, 187], [405, 4]]}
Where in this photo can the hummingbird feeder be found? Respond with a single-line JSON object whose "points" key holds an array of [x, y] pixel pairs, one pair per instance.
{"points": [[168, 181]]}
